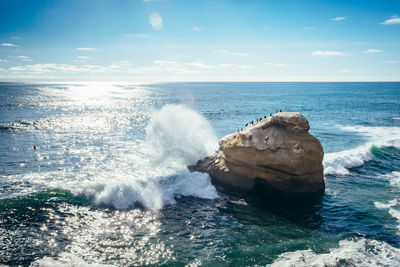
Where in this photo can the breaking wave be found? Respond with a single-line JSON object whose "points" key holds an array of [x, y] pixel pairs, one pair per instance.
{"points": [[176, 136], [340, 162]]}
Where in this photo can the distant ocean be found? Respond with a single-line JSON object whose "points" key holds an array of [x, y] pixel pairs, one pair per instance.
{"points": [[108, 184]]}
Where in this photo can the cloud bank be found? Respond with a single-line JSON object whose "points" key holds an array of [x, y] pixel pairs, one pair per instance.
{"points": [[320, 53]]}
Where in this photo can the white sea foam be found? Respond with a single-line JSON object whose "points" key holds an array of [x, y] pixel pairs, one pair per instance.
{"points": [[360, 252], [340, 162], [390, 206], [151, 192], [65, 259], [394, 179], [156, 174]]}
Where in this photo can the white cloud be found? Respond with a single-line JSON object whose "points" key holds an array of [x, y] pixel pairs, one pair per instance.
{"points": [[138, 35], [156, 21], [266, 46], [276, 65], [15, 38], [199, 64], [86, 49], [320, 53], [344, 71], [339, 18], [83, 57], [391, 61], [196, 29], [310, 28], [159, 67], [231, 53], [392, 21], [66, 68], [8, 44], [24, 58], [164, 62], [370, 51]]}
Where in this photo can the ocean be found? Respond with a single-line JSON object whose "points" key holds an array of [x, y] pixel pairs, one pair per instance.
{"points": [[95, 174]]}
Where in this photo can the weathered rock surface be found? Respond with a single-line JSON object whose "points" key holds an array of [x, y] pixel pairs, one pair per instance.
{"points": [[277, 151]]}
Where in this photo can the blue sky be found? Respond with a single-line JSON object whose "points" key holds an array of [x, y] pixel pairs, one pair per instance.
{"points": [[163, 41]]}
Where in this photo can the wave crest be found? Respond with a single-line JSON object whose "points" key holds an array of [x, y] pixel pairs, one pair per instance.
{"points": [[339, 162]]}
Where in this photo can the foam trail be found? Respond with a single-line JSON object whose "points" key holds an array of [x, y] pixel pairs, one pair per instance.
{"points": [[176, 136], [361, 252], [65, 259], [340, 162], [391, 210], [394, 179]]}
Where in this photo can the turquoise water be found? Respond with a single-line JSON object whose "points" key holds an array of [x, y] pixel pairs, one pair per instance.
{"points": [[108, 183]]}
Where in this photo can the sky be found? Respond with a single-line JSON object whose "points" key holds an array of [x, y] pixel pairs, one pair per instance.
{"points": [[147, 41]]}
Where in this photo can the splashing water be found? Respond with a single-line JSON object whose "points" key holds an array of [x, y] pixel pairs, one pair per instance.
{"points": [[179, 136], [176, 136]]}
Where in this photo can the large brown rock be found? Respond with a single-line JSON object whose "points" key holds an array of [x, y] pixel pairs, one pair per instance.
{"points": [[277, 151]]}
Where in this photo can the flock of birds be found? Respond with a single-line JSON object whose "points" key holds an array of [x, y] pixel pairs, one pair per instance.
{"points": [[252, 122]]}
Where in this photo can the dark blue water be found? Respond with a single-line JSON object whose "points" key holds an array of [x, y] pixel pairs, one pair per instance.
{"points": [[107, 182]]}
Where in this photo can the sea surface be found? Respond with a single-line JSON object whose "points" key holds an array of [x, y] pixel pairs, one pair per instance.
{"points": [[108, 185]]}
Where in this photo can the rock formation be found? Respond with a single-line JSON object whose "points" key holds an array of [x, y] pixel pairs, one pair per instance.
{"points": [[277, 152]]}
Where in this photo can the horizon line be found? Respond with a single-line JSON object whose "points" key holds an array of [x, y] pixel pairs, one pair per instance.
{"points": [[194, 81]]}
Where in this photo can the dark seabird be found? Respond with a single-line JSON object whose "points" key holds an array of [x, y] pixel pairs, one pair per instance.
{"points": [[281, 110], [34, 147], [261, 119], [270, 114], [241, 129], [246, 124], [265, 117]]}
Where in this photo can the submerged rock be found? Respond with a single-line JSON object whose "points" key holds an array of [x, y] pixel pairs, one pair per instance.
{"points": [[276, 152]]}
